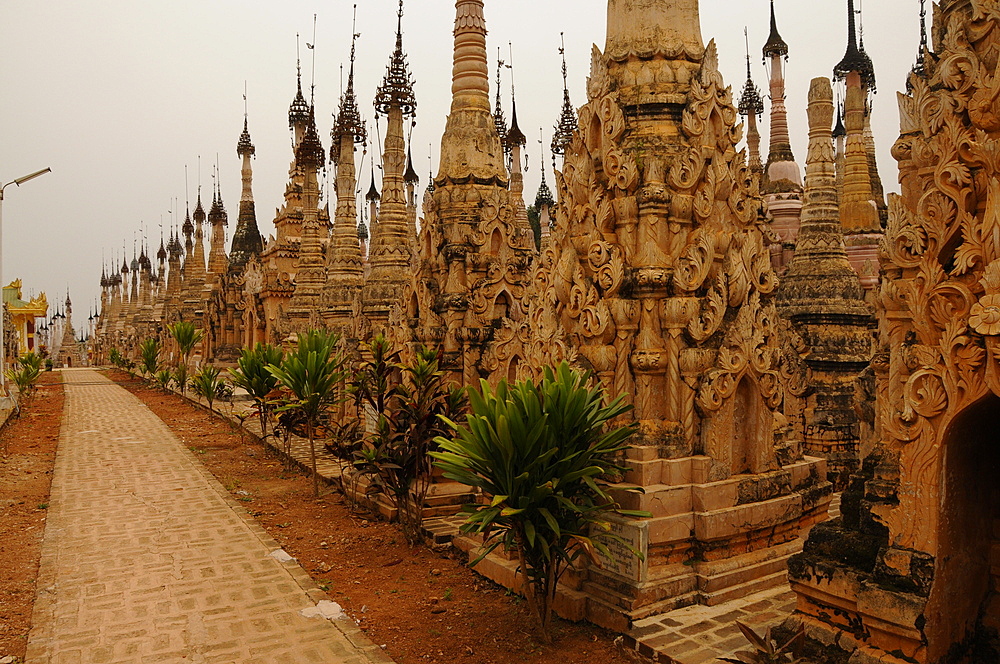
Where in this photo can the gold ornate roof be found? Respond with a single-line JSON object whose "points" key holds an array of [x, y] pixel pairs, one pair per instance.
{"points": [[37, 306]]}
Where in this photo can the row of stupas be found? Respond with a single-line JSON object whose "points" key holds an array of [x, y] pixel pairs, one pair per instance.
{"points": [[730, 299]]}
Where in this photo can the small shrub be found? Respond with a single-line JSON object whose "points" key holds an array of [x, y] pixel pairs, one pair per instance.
{"points": [[149, 354], [538, 452], [409, 401], [24, 374], [206, 384], [180, 377], [223, 390], [163, 379], [251, 374], [187, 337], [311, 376]]}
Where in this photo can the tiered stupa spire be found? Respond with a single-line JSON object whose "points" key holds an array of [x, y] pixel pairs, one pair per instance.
{"points": [[919, 66], [391, 246], [175, 254], [781, 172], [299, 111], [543, 199], [567, 123], [515, 140], [246, 239], [345, 263], [372, 198], [822, 296], [310, 272], [198, 266], [187, 228], [751, 106], [858, 209], [782, 177], [470, 151], [218, 219], [498, 116], [855, 60], [411, 179], [473, 258]]}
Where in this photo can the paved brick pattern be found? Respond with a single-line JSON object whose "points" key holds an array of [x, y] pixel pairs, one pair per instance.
{"points": [[146, 557], [701, 634]]}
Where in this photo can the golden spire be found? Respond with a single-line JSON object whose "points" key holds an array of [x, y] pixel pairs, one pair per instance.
{"points": [[471, 148]]}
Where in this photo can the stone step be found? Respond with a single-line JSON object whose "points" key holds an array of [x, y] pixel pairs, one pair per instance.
{"points": [[742, 590], [673, 581], [736, 576], [611, 616]]}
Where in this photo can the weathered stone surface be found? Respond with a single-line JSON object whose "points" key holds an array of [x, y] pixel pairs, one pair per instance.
{"points": [[909, 570]]}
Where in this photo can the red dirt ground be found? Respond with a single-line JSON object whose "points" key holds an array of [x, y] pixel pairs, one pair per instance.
{"points": [[25, 475]]}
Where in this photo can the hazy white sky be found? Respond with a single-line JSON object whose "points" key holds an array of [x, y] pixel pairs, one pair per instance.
{"points": [[116, 96]]}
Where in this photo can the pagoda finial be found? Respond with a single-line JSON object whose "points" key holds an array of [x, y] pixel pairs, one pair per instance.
{"points": [[514, 135], [567, 117], [498, 118], [430, 168], [410, 176], [544, 195], [868, 73], [310, 151], [348, 122], [397, 85], [775, 44], [919, 68], [854, 60], [839, 131], [372, 194], [245, 145], [298, 112], [751, 101]]}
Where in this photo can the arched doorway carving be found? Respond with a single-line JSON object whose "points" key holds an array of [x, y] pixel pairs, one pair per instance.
{"points": [[966, 594]]}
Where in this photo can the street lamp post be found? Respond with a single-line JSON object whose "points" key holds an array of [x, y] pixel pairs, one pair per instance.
{"points": [[3, 360]]}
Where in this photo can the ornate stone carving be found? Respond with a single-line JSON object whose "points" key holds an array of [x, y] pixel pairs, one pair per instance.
{"points": [[937, 371], [657, 275]]}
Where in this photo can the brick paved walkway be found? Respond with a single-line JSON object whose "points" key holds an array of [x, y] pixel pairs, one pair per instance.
{"points": [[701, 634], [146, 558]]}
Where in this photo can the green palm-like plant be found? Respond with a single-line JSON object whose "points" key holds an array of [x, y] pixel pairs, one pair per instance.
{"points": [[163, 378], [538, 453], [311, 375], [252, 375], [24, 374], [149, 353], [187, 337], [32, 361], [206, 383]]}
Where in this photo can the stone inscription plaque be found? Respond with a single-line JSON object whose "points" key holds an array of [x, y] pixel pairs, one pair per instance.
{"points": [[623, 562]]}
